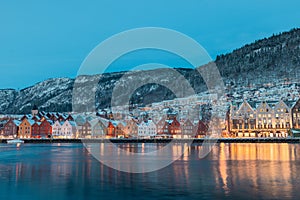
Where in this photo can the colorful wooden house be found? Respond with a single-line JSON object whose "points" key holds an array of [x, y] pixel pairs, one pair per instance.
{"points": [[187, 129], [111, 129], [98, 128], [174, 127], [46, 129], [25, 128], [131, 128], [296, 115], [162, 126], [35, 130], [11, 127], [68, 129], [56, 129], [201, 129], [147, 129], [120, 130], [85, 130]]}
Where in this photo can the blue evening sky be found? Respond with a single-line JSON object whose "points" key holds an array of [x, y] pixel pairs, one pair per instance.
{"points": [[44, 39]]}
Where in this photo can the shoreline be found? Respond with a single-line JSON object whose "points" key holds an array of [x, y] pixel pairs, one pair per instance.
{"points": [[197, 140]]}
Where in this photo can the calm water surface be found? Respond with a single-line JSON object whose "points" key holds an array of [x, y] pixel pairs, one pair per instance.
{"points": [[230, 171]]}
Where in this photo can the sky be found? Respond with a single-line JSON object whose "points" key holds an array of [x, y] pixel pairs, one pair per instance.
{"points": [[48, 39]]}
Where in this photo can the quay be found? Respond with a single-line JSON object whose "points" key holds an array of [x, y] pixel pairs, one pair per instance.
{"points": [[165, 140]]}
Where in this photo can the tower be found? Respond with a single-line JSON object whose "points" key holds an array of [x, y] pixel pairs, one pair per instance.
{"points": [[34, 110]]}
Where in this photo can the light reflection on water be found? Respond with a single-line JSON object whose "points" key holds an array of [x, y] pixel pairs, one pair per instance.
{"points": [[265, 171]]}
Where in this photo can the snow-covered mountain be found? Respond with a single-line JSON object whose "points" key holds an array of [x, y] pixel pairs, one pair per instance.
{"points": [[52, 94], [265, 61]]}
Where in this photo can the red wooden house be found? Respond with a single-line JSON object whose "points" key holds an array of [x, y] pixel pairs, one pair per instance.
{"points": [[35, 130], [174, 127], [45, 129], [10, 129], [111, 129], [170, 127], [201, 129]]}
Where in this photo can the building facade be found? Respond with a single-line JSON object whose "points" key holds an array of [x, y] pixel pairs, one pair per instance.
{"points": [[261, 119], [10, 129]]}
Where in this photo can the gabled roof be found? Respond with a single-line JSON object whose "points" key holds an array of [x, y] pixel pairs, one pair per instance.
{"points": [[58, 122], [245, 103], [38, 123], [290, 104], [72, 123], [188, 121], [122, 123], [31, 122], [17, 122]]}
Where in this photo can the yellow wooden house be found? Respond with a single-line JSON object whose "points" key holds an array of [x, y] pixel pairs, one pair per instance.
{"points": [[25, 128]]}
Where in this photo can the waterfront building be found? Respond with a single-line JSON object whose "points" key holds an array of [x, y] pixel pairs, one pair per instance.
{"points": [[10, 128], [46, 129], [174, 127], [25, 128], [187, 129], [98, 128], [296, 115], [162, 126], [242, 119], [147, 129], [120, 133], [35, 130], [200, 129], [68, 129], [262, 119], [111, 129], [282, 118], [85, 130], [56, 129], [131, 128]]}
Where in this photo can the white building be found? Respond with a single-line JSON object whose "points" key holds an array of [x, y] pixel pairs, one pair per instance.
{"points": [[147, 129], [68, 129], [98, 128], [56, 129]]}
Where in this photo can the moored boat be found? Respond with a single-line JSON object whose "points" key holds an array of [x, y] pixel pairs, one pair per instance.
{"points": [[15, 141]]}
